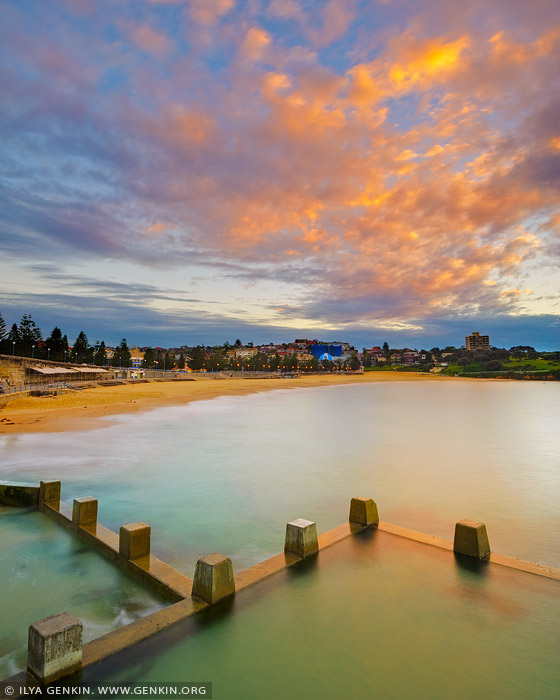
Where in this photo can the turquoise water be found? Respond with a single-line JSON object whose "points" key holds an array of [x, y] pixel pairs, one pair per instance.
{"points": [[374, 618], [227, 474], [45, 570]]}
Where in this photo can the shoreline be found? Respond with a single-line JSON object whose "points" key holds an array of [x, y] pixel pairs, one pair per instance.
{"points": [[82, 410]]}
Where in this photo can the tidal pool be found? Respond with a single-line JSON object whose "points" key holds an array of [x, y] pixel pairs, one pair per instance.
{"points": [[227, 474], [374, 616], [45, 570]]}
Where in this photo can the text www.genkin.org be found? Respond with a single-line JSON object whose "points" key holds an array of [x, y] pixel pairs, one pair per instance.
{"points": [[110, 690]]}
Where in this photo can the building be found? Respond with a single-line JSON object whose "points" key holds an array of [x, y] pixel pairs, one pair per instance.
{"points": [[331, 349], [477, 342], [136, 357]]}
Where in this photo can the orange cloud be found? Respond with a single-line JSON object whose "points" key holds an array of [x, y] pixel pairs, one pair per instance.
{"points": [[422, 62], [255, 42], [147, 39], [364, 90], [209, 11]]}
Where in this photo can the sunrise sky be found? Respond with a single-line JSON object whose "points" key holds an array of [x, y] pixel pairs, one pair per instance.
{"points": [[184, 171]]}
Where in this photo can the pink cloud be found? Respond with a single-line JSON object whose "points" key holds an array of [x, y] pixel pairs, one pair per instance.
{"points": [[149, 40], [209, 11], [410, 177], [255, 43]]}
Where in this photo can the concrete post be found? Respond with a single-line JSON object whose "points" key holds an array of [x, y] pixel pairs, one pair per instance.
{"points": [[471, 539], [84, 511], [49, 493], [213, 578], [363, 511], [301, 538], [134, 540], [54, 648]]}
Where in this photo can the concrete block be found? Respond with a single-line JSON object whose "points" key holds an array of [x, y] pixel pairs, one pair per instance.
{"points": [[213, 578], [301, 538], [134, 540], [54, 648], [49, 493], [84, 511], [363, 511], [471, 539]]}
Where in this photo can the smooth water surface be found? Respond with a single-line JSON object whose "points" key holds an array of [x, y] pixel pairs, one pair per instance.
{"points": [[227, 474], [378, 617], [45, 570]]}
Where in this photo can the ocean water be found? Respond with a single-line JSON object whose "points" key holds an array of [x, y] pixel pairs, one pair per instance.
{"points": [[45, 570], [227, 474], [377, 617], [386, 615]]}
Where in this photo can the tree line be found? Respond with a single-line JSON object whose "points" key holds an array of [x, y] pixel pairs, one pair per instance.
{"points": [[26, 340]]}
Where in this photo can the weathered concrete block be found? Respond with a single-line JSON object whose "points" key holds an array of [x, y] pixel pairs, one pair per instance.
{"points": [[54, 648], [301, 538], [213, 578], [363, 511], [471, 539], [84, 511], [134, 540], [18, 495], [49, 493]]}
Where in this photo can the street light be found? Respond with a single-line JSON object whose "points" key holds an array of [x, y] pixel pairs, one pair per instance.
{"points": [[48, 353], [13, 347], [32, 351]]}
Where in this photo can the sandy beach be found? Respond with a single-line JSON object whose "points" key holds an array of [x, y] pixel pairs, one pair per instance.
{"points": [[80, 410]]}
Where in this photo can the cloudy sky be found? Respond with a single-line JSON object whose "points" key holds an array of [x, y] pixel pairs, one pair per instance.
{"points": [[183, 171]]}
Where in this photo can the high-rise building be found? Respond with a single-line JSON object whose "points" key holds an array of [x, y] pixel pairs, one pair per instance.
{"points": [[477, 342]]}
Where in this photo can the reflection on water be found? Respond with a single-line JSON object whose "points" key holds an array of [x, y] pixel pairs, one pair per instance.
{"points": [[44, 570], [227, 474], [372, 618]]}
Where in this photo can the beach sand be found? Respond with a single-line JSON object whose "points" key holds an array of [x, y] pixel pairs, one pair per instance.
{"points": [[80, 410]]}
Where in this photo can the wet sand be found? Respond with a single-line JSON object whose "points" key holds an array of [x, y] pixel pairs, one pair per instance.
{"points": [[80, 410]]}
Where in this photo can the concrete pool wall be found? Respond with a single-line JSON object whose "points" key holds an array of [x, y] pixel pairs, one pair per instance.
{"points": [[176, 587]]}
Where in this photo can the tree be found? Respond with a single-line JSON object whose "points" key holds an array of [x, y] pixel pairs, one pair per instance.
{"points": [[14, 340], [99, 354], [428, 355], [367, 359], [238, 343], [386, 350], [158, 360], [149, 358], [66, 345], [181, 361], [197, 358], [30, 336], [56, 345], [314, 364], [169, 360], [122, 356], [354, 363], [4, 345], [493, 366], [81, 351]]}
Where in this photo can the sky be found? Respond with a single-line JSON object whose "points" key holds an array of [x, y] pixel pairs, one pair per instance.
{"points": [[196, 171]]}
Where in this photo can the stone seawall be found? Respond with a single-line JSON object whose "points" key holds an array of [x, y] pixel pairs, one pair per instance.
{"points": [[13, 494]]}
